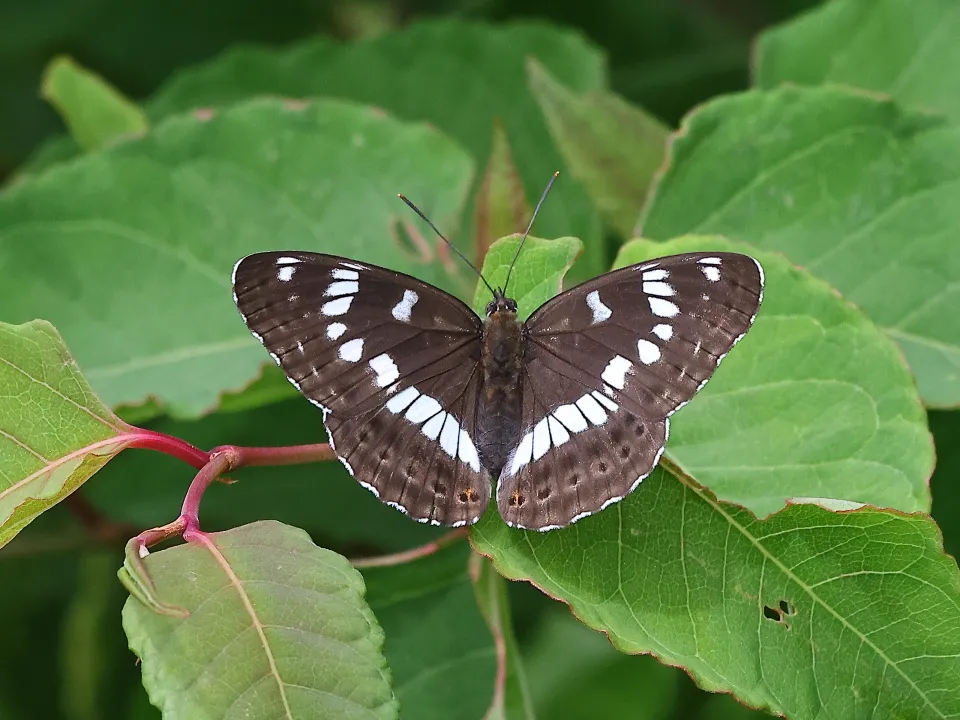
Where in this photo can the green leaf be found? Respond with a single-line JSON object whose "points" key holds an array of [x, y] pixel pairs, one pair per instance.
{"points": [[538, 274], [137, 242], [439, 648], [54, 431], [612, 147], [511, 698], [898, 47], [278, 628], [419, 73], [96, 113], [814, 402], [501, 206], [851, 187], [780, 612], [576, 673]]}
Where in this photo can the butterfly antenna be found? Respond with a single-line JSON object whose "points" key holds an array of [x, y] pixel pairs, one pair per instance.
{"points": [[533, 217], [440, 235]]}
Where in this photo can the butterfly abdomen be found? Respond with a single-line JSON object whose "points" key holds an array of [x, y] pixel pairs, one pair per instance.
{"points": [[498, 413]]}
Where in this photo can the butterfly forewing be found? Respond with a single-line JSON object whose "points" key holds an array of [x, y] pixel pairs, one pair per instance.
{"points": [[392, 361], [606, 363]]}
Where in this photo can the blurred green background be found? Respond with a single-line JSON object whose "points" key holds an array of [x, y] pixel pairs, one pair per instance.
{"points": [[64, 649]]}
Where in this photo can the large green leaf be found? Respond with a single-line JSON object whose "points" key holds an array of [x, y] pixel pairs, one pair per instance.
{"points": [[781, 612], [440, 650], [132, 248], [54, 431], [864, 597], [858, 191], [898, 47], [457, 75], [277, 628], [814, 402]]}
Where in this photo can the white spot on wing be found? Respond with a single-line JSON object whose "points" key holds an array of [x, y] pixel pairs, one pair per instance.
{"points": [[571, 418], [649, 352], [709, 261], [353, 266], [336, 307], [600, 311], [285, 273], [522, 455], [664, 332], [287, 260], [402, 309], [467, 452], [335, 330], [449, 436], [659, 288], [339, 274], [352, 350], [433, 426], [605, 401], [662, 308], [591, 408], [401, 401], [558, 433], [616, 371], [541, 439], [710, 272], [343, 287], [656, 275], [424, 408], [386, 370]]}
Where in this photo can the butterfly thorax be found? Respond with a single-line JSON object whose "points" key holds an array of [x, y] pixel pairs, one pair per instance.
{"points": [[498, 412]]}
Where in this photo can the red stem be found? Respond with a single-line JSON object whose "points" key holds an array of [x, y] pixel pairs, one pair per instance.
{"points": [[169, 445], [415, 554]]}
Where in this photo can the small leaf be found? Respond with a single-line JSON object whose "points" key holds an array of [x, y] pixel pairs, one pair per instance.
{"points": [[54, 431], [96, 113], [538, 274], [277, 628], [851, 187], [145, 235], [501, 203], [898, 47], [613, 148], [511, 698], [440, 650], [814, 402], [780, 612]]}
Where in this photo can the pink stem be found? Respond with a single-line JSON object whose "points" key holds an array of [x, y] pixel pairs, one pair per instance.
{"points": [[409, 555]]}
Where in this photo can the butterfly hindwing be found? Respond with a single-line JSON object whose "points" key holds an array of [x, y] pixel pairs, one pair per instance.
{"points": [[392, 361], [606, 364]]}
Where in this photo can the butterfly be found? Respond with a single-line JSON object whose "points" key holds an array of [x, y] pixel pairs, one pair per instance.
{"points": [[424, 401]]}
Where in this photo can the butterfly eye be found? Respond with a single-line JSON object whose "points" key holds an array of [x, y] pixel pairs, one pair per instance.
{"points": [[511, 305], [491, 306]]}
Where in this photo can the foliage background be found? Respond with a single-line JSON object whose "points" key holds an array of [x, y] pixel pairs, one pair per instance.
{"points": [[66, 652]]}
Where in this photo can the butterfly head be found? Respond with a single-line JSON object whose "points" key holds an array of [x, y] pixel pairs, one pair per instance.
{"points": [[501, 304]]}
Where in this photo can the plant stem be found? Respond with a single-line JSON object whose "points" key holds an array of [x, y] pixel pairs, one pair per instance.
{"points": [[415, 554]]}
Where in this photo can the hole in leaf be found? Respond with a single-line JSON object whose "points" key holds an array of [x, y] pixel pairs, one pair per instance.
{"points": [[772, 613]]}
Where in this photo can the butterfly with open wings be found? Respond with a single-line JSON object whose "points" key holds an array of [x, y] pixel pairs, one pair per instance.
{"points": [[424, 401]]}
